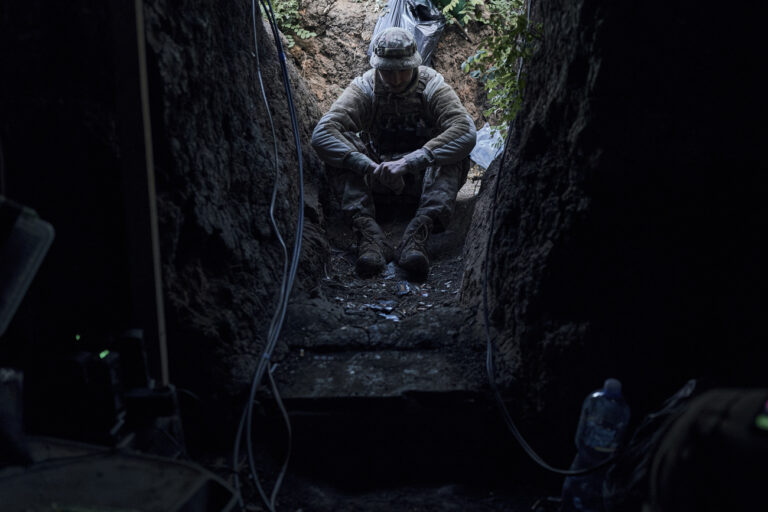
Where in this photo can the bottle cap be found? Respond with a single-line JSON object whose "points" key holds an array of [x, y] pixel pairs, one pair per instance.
{"points": [[612, 387]]}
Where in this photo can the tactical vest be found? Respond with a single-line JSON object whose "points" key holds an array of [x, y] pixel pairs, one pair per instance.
{"points": [[400, 123]]}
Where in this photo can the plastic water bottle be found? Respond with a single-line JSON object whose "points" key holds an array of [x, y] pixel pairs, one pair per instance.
{"points": [[603, 422]]}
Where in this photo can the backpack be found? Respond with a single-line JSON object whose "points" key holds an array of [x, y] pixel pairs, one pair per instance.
{"points": [[626, 482], [701, 453]]}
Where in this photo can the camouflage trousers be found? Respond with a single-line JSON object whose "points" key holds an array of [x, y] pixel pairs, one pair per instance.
{"points": [[433, 190]]}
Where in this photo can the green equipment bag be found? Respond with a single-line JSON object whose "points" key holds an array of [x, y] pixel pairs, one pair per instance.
{"points": [[714, 457], [702, 452], [626, 483]]}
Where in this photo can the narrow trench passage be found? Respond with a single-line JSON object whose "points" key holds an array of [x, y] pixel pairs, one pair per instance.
{"points": [[384, 378], [621, 249], [385, 384], [384, 335]]}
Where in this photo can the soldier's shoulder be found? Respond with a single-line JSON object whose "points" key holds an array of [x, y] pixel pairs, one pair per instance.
{"points": [[432, 80], [429, 72], [365, 82], [369, 75]]}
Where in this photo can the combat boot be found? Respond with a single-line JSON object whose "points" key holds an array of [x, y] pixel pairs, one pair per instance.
{"points": [[373, 250], [412, 250]]}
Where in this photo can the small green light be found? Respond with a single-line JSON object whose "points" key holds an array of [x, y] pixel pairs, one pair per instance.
{"points": [[761, 421], [77, 337], [103, 354]]}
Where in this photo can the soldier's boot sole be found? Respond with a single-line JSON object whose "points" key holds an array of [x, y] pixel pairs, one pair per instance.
{"points": [[416, 263], [370, 263]]}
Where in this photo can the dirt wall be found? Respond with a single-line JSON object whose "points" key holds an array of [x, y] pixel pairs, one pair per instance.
{"points": [[630, 222], [221, 260]]}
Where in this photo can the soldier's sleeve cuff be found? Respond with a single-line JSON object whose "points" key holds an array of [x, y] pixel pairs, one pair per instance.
{"points": [[419, 160], [359, 163]]}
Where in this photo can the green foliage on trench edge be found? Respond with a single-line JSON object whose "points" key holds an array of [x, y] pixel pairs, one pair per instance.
{"points": [[460, 12], [495, 63], [288, 15], [498, 60]]}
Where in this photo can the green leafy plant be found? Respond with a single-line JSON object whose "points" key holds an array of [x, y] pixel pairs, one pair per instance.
{"points": [[460, 12], [498, 61], [288, 16]]}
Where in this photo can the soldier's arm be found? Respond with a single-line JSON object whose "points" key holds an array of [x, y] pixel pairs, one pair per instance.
{"points": [[349, 113], [457, 130]]}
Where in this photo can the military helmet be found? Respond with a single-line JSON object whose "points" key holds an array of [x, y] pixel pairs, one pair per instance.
{"points": [[393, 49]]}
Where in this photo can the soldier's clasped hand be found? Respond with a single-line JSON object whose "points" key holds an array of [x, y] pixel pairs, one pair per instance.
{"points": [[391, 174], [394, 167]]}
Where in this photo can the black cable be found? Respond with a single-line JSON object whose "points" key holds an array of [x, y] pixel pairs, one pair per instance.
{"points": [[489, 359], [273, 330], [259, 372], [246, 422], [287, 420], [298, 235], [236, 468]]}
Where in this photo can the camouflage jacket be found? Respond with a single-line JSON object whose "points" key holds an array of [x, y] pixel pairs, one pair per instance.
{"points": [[426, 122]]}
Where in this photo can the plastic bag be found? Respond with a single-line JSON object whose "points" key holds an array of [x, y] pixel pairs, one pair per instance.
{"points": [[420, 18], [486, 150]]}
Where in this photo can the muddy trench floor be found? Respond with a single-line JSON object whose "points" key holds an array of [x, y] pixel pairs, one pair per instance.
{"points": [[385, 385], [385, 335]]}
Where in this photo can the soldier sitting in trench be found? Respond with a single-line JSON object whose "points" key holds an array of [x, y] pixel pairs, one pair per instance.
{"points": [[399, 130]]}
